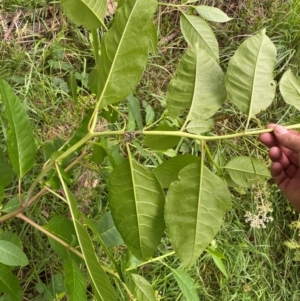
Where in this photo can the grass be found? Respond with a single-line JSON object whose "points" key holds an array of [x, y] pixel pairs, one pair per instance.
{"points": [[259, 265]]}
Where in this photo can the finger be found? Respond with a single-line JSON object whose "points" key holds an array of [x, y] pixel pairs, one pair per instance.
{"points": [[287, 139], [284, 156], [268, 139]]}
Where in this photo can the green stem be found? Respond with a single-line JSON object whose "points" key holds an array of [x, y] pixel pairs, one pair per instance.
{"points": [[159, 258], [210, 156]]}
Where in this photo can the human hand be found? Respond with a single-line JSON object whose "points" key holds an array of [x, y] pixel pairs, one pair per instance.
{"points": [[285, 153]]}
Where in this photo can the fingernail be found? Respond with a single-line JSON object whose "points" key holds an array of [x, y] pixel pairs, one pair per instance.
{"points": [[280, 130]]}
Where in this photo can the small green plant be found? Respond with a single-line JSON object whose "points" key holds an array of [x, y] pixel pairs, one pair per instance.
{"points": [[154, 188]]}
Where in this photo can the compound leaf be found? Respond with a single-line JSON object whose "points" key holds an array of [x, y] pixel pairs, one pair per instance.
{"points": [[124, 50], [137, 203], [249, 79], [213, 14], [198, 85], [197, 31], [142, 290], [246, 171], [75, 281], [290, 89], [20, 139], [89, 13], [11, 254], [186, 284], [194, 211]]}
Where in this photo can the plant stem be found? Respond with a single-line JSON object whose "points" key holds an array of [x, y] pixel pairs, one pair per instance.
{"points": [[159, 258]]}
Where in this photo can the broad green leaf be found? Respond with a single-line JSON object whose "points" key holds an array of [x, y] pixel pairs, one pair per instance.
{"points": [[249, 78], [89, 13], [150, 114], [217, 258], [75, 281], [198, 126], [186, 284], [20, 139], [142, 289], [9, 284], [12, 255], [198, 85], [197, 31], [211, 13], [6, 172], [63, 228], [194, 211], [290, 89], [12, 205], [162, 142], [109, 233], [135, 110], [101, 286], [153, 41], [168, 171], [136, 201], [124, 50], [246, 171], [11, 237]]}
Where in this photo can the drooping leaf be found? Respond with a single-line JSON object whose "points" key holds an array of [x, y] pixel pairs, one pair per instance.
{"points": [[6, 172], [109, 233], [150, 114], [137, 203], [167, 172], [198, 126], [142, 289], [11, 254], [246, 171], [161, 142], [290, 89], [20, 139], [101, 286], [249, 78], [195, 207], [198, 85], [63, 228], [186, 284], [197, 31], [124, 50], [135, 110], [75, 281], [11, 205], [10, 284], [89, 13], [211, 13], [72, 81], [11, 237]]}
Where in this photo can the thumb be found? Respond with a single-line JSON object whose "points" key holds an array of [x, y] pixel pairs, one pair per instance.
{"points": [[287, 139]]}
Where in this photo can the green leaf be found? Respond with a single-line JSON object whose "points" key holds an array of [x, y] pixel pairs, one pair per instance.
{"points": [[12, 205], [198, 126], [124, 50], [72, 81], [198, 85], [217, 258], [20, 139], [246, 171], [101, 286], [12, 255], [142, 289], [6, 172], [249, 79], [9, 284], [197, 31], [213, 14], [11, 237], [135, 109], [150, 114], [75, 281], [161, 142], [153, 39], [290, 89], [63, 228], [168, 171], [89, 13], [109, 233], [186, 284], [194, 211], [137, 203]]}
